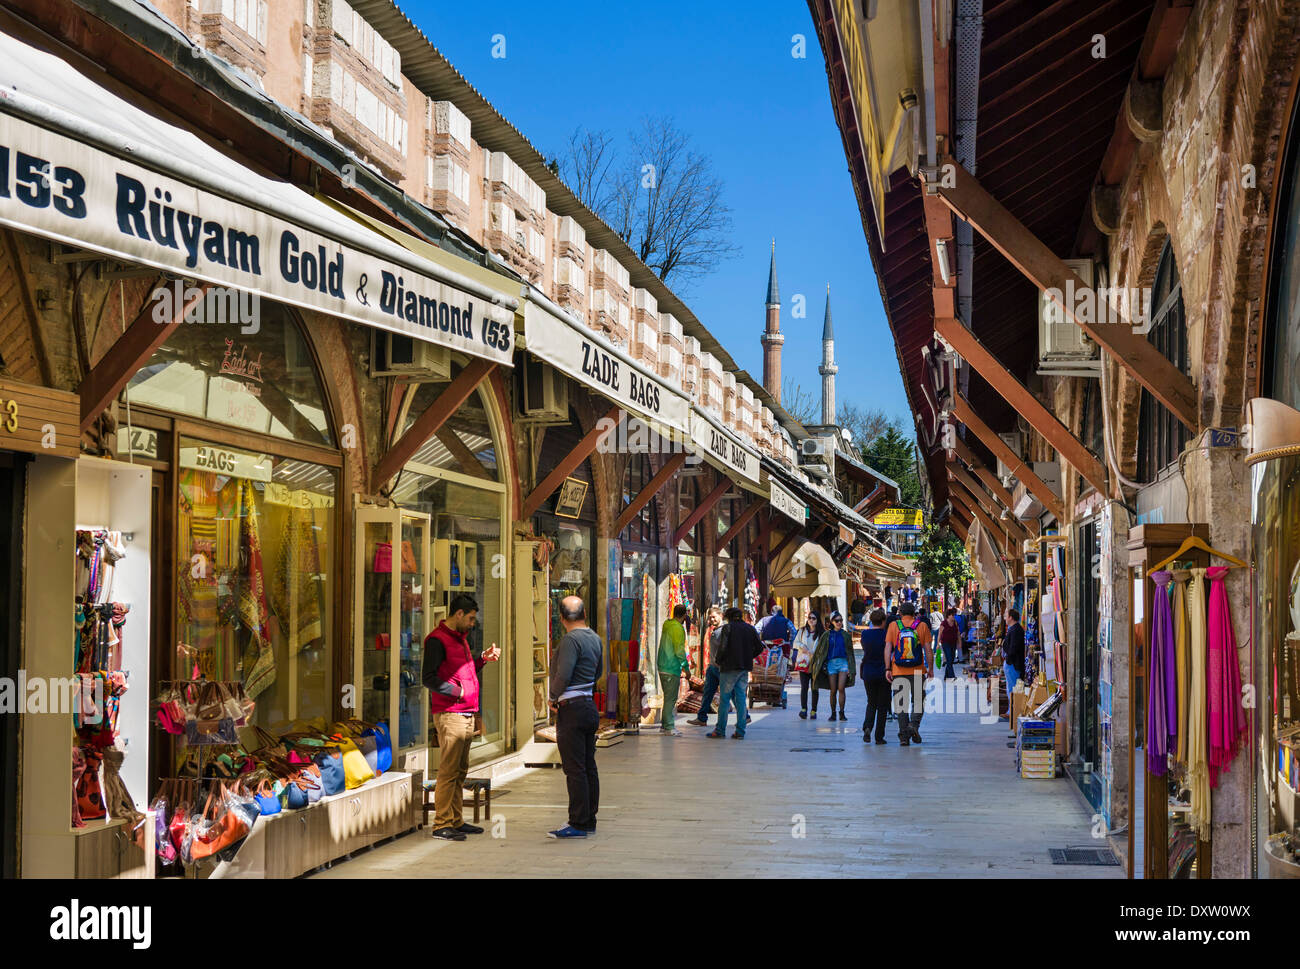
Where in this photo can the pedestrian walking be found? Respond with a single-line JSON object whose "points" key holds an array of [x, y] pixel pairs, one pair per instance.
{"points": [[832, 663], [579, 663], [805, 644], [673, 662], [911, 659], [740, 644], [450, 670], [950, 640], [712, 675], [874, 679]]}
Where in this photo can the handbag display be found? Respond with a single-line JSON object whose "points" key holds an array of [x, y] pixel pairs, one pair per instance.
{"points": [[383, 563], [333, 778], [268, 802], [355, 769], [221, 829], [408, 557]]}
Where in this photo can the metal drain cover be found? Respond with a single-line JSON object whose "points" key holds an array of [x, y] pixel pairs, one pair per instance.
{"points": [[1083, 856], [816, 750]]}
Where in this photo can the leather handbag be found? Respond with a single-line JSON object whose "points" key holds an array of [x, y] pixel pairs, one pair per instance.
{"points": [[267, 801], [222, 830], [408, 557], [383, 563], [383, 746], [368, 734]]}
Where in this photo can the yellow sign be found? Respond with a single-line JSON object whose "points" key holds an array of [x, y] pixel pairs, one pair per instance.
{"points": [[899, 519]]}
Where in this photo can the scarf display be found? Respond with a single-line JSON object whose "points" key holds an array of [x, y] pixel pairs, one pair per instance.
{"points": [[1181, 649], [1198, 776], [1227, 718], [1162, 680]]}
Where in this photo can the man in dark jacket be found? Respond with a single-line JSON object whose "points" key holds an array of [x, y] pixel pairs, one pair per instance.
{"points": [[577, 667], [1013, 659], [739, 647]]}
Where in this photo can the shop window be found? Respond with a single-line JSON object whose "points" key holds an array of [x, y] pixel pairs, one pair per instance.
{"points": [[644, 528], [1161, 435], [1282, 349], [263, 381], [464, 443], [255, 587]]}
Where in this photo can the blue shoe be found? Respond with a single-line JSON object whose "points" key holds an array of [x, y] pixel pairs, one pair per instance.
{"points": [[568, 831]]}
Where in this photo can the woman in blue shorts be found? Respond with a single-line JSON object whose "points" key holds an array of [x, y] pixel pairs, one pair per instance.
{"points": [[832, 663]]}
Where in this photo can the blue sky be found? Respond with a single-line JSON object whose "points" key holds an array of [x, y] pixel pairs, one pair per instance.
{"points": [[726, 76]]}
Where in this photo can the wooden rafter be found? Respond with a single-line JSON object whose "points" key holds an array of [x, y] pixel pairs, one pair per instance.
{"points": [[1134, 352], [1074, 451], [428, 423], [127, 355], [987, 477], [990, 502], [652, 488], [702, 509], [571, 461], [742, 521], [962, 410]]}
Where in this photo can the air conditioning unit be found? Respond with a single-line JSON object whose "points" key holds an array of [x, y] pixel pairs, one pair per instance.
{"points": [[1063, 347], [545, 393], [397, 355], [814, 448]]}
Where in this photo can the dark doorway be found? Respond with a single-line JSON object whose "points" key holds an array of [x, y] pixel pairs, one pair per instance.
{"points": [[12, 496]]}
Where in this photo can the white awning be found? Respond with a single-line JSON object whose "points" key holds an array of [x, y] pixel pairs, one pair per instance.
{"points": [[552, 335], [82, 165], [724, 450], [807, 571]]}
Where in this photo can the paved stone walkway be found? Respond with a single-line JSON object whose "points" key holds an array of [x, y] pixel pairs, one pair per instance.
{"points": [[691, 806]]}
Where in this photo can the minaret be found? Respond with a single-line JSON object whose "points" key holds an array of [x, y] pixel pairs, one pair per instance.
{"points": [[772, 337], [828, 370]]}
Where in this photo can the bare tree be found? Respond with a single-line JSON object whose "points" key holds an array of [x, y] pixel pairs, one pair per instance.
{"points": [[585, 167], [664, 199], [800, 404], [866, 425]]}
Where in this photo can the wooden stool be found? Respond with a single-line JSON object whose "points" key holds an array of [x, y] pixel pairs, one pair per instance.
{"points": [[480, 787]]}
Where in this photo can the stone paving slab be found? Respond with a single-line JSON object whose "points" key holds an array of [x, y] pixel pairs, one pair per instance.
{"points": [[694, 807]]}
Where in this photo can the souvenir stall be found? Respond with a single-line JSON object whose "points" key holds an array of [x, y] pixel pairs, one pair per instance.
{"points": [[1274, 464], [1187, 719]]}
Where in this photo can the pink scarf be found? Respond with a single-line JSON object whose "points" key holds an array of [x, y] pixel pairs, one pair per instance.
{"points": [[1227, 718]]}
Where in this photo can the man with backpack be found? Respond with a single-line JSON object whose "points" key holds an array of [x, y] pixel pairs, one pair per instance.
{"points": [[911, 659]]}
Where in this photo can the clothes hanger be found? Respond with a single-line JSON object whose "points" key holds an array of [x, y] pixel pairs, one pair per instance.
{"points": [[1194, 542]]}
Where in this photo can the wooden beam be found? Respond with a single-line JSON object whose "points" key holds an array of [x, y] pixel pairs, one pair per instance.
{"points": [[958, 526], [963, 411], [571, 461], [126, 356], [989, 479], [702, 509], [967, 481], [1010, 528], [742, 521], [470, 464], [428, 423], [1025, 403], [1133, 351], [652, 488]]}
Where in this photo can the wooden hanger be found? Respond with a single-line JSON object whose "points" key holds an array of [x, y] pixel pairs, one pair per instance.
{"points": [[1199, 543]]}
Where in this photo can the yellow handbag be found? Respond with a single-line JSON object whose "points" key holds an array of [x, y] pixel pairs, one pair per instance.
{"points": [[355, 769]]}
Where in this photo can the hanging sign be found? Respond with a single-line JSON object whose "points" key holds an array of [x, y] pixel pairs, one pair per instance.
{"points": [[786, 503], [721, 448], [847, 535], [78, 194], [899, 519], [596, 363], [227, 461], [39, 420]]}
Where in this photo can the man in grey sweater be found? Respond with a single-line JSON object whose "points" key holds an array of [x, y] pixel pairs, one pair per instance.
{"points": [[578, 665]]}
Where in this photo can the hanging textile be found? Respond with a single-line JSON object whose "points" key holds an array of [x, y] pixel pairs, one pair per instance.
{"points": [[1198, 777], [253, 612], [1162, 701], [1181, 577], [1227, 719]]}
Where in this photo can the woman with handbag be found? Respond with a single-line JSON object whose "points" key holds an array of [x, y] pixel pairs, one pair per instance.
{"points": [[805, 644], [832, 663]]}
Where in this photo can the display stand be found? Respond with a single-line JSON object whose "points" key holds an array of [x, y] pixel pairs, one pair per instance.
{"points": [[1147, 546]]}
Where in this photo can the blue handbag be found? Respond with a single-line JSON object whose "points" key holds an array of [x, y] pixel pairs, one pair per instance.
{"points": [[295, 797], [332, 778], [383, 746], [267, 802]]}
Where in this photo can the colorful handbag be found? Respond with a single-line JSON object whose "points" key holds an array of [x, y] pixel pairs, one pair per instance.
{"points": [[383, 746], [408, 557], [90, 795], [222, 830], [267, 802], [383, 563], [333, 779], [355, 769]]}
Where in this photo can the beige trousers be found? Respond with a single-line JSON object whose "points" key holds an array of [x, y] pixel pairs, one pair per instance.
{"points": [[455, 734]]}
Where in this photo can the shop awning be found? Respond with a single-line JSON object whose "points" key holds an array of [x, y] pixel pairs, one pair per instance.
{"points": [[123, 182], [552, 335], [830, 508], [808, 570], [992, 575], [725, 451]]}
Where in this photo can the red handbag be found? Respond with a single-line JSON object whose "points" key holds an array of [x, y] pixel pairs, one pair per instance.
{"points": [[383, 557]]}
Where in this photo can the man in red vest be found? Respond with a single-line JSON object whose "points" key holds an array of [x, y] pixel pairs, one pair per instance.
{"points": [[451, 672]]}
